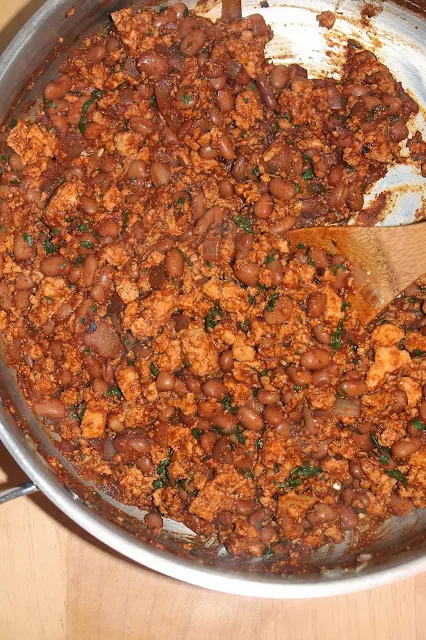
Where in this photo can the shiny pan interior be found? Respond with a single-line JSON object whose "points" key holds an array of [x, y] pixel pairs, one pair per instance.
{"points": [[397, 35]]}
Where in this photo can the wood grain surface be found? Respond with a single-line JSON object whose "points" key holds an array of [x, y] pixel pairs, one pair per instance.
{"points": [[57, 582]]}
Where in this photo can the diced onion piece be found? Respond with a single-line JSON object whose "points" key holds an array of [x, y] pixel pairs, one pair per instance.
{"points": [[348, 407]]}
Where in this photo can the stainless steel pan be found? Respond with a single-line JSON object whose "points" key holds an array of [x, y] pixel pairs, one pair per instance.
{"points": [[398, 36]]}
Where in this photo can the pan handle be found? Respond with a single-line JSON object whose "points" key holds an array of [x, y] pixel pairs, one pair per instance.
{"points": [[16, 492]]}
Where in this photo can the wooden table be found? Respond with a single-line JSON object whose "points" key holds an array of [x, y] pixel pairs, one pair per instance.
{"points": [[58, 582]]}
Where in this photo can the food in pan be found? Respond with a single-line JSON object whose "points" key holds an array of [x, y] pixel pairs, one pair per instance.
{"points": [[182, 353]]}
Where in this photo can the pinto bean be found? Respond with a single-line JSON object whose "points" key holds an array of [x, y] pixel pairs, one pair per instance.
{"points": [[316, 304], [214, 388], [400, 506], [247, 273], [130, 442], [355, 470], [273, 415], [299, 375], [57, 88], [140, 125], [315, 359], [51, 408], [267, 397], [281, 313], [320, 514], [165, 381], [226, 148], [23, 282], [226, 188], [243, 245], [348, 517], [398, 131], [266, 92], [337, 197], [321, 334], [362, 441], [226, 361], [22, 247], [224, 101], [225, 421], [282, 189], [192, 43], [335, 175], [250, 419], [60, 124], [137, 170], [355, 199], [160, 174], [352, 388], [263, 207], [405, 448], [280, 76], [154, 66], [174, 263]]}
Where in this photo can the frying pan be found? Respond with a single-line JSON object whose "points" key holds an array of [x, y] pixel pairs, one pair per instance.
{"points": [[397, 549]]}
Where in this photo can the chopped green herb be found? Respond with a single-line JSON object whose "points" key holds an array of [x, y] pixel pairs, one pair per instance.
{"points": [[251, 299], [86, 350], [87, 244], [49, 247], [418, 424], [397, 475], [345, 305], [153, 101], [245, 222], [226, 403], [13, 123], [300, 245], [308, 175], [269, 259], [213, 317], [244, 134], [255, 171], [3, 158], [268, 553], [381, 448], [383, 459], [126, 214], [186, 99], [248, 473], [83, 227], [28, 239], [251, 86], [197, 433], [277, 467], [351, 168], [244, 325], [218, 429], [114, 391], [2, 228], [298, 188], [93, 308], [181, 201], [272, 302], [55, 231], [79, 260], [311, 261], [297, 387], [186, 12], [239, 435], [83, 120], [161, 8], [209, 264], [14, 182], [106, 30], [307, 157], [287, 117], [259, 443], [162, 472], [418, 353], [185, 257], [336, 343], [335, 268], [394, 118], [48, 299], [154, 369], [298, 474]]}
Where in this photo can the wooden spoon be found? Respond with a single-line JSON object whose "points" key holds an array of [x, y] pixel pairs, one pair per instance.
{"points": [[386, 259]]}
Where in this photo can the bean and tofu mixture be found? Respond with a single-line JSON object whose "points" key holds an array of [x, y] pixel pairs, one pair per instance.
{"points": [[181, 352]]}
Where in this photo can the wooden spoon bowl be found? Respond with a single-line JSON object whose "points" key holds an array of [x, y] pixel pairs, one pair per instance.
{"points": [[386, 259]]}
